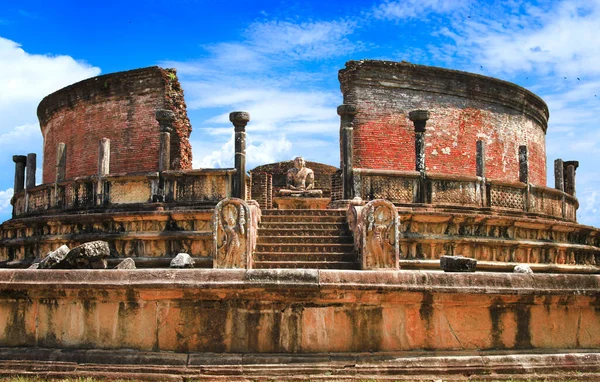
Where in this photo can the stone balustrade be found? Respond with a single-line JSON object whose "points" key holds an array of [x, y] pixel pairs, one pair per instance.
{"points": [[204, 186], [441, 190]]}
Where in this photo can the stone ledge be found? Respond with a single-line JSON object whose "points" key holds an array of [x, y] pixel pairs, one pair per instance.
{"points": [[581, 364], [201, 279]]}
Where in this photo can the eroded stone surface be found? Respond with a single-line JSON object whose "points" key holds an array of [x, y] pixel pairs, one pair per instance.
{"points": [[128, 263], [457, 264], [522, 268], [54, 258], [182, 260], [90, 255]]}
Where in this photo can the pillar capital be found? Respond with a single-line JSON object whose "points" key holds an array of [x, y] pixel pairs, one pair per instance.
{"points": [[20, 159], [239, 119], [574, 163], [165, 119], [346, 110], [419, 118]]}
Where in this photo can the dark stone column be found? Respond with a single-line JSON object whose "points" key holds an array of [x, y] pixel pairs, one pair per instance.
{"points": [[523, 165], [347, 113], [559, 175], [419, 118], [61, 162], [31, 164], [570, 168], [480, 159], [165, 119], [20, 162], [240, 119]]}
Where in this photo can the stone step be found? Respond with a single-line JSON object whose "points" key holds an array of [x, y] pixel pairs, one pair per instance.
{"points": [[275, 212], [304, 233], [306, 265], [302, 225], [302, 219], [306, 248], [304, 257], [309, 239]]}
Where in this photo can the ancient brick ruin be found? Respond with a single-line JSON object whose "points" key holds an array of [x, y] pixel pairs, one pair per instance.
{"points": [[306, 270]]}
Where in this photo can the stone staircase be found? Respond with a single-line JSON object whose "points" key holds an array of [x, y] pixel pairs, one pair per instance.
{"points": [[318, 239]]}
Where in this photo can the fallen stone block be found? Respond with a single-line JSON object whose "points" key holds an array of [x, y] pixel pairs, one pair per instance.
{"points": [[457, 264], [182, 260], [522, 268], [128, 263], [54, 258], [90, 255]]}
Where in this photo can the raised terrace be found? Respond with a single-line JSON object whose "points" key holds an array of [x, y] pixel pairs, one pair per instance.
{"points": [[308, 268]]}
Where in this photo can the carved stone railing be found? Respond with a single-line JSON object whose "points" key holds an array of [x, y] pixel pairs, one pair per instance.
{"points": [[186, 187], [441, 190]]}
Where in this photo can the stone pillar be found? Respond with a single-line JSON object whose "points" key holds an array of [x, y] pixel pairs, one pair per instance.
{"points": [[240, 119], [523, 165], [164, 152], [103, 170], [165, 119], [480, 159], [570, 168], [419, 118], [103, 157], [61, 162], [20, 162], [347, 113], [31, 164], [559, 175]]}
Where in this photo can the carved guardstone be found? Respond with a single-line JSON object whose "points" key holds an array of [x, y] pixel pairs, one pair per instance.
{"points": [[234, 230], [377, 226]]}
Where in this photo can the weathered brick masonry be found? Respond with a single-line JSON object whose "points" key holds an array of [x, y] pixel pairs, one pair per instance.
{"points": [[121, 107], [464, 108]]}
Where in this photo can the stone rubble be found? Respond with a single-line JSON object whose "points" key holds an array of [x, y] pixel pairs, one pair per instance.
{"points": [[182, 260]]}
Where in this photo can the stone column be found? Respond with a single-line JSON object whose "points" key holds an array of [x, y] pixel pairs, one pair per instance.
{"points": [[103, 169], [103, 157], [240, 119], [559, 175], [419, 119], [31, 164], [61, 161], [480, 159], [570, 168], [523, 165], [347, 113], [165, 119], [20, 162]]}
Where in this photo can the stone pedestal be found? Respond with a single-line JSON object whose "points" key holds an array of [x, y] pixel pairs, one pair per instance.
{"points": [[299, 203]]}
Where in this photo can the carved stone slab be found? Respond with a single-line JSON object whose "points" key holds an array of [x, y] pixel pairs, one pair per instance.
{"points": [[377, 226], [234, 230]]}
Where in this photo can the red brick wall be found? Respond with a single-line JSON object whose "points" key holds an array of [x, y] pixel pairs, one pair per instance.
{"points": [[464, 108], [118, 106]]}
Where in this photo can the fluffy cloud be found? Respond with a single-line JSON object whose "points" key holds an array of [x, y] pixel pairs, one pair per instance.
{"points": [[410, 9], [25, 79]]}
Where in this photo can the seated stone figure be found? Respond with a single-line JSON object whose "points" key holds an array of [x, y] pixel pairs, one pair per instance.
{"points": [[300, 181]]}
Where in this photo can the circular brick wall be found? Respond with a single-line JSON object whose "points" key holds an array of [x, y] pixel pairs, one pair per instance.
{"points": [[464, 108], [120, 107], [279, 171]]}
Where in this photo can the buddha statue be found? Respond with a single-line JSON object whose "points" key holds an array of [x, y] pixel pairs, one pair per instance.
{"points": [[300, 181]]}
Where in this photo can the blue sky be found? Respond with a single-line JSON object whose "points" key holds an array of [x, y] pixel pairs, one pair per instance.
{"points": [[279, 61]]}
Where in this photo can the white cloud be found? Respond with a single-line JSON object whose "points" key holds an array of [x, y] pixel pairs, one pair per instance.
{"points": [[410, 9], [5, 206], [258, 151], [27, 78]]}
